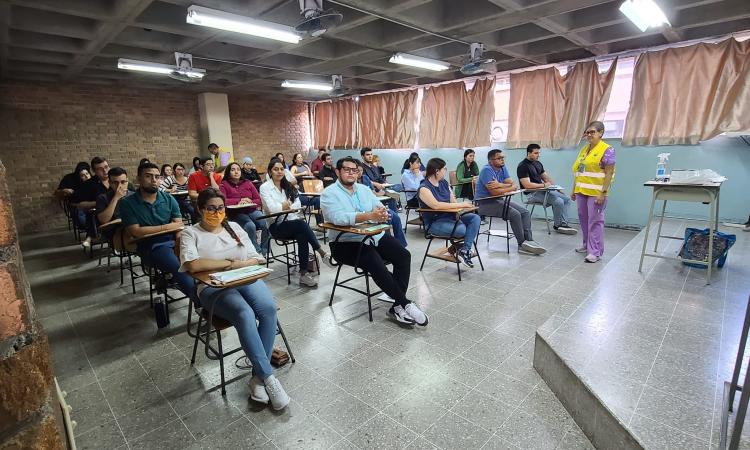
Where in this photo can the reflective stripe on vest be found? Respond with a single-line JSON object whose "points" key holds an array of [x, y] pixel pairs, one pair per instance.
{"points": [[591, 180]]}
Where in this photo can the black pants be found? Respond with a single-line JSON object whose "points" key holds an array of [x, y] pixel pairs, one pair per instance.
{"points": [[413, 202], [300, 231], [371, 259]]}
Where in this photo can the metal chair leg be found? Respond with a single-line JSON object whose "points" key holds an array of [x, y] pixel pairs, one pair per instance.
{"points": [[429, 243], [221, 363], [369, 297], [335, 283], [286, 342]]}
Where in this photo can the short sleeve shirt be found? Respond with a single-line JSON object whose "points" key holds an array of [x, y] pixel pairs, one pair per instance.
{"points": [[488, 174], [90, 190], [532, 170], [136, 211], [199, 182]]}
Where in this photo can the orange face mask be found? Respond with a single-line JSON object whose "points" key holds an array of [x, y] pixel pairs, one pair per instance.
{"points": [[214, 219]]}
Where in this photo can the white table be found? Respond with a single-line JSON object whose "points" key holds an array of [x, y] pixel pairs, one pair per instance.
{"points": [[706, 193]]}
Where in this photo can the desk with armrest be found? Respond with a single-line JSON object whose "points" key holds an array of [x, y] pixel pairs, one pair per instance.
{"points": [[158, 282], [365, 232], [448, 252], [506, 234], [289, 257]]}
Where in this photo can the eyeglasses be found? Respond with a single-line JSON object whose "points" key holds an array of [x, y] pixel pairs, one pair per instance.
{"points": [[498, 158], [215, 208], [589, 132], [350, 169]]}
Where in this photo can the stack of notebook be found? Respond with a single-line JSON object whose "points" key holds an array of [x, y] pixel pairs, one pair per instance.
{"points": [[238, 274]]}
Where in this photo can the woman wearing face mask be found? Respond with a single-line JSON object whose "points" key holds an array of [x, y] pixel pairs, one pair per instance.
{"points": [[279, 195], [214, 244], [238, 192]]}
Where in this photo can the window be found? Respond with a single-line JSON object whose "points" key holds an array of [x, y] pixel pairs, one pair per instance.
{"points": [[619, 98], [502, 105]]}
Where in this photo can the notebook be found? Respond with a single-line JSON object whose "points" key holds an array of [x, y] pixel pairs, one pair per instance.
{"points": [[229, 276], [368, 227]]}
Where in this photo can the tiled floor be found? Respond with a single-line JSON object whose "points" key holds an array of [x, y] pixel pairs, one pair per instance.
{"points": [[656, 348], [464, 381]]}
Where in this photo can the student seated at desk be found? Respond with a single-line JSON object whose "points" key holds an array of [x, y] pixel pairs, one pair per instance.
{"points": [[150, 211], [249, 172], [494, 180], [435, 193], [298, 169], [71, 182], [215, 244], [108, 204], [411, 180], [347, 203], [206, 178], [88, 193], [237, 191], [531, 175], [394, 219], [327, 172], [279, 195], [318, 163], [176, 183]]}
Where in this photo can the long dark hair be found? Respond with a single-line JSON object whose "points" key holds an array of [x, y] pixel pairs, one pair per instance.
{"points": [[197, 159], [434, 165], [468, 152], [163, 166], [289, 190], [229, 169], [294, 159], [211, 193]]}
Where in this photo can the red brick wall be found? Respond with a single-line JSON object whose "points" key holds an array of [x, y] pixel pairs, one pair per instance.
{"points": [[45, 129], [263, 127]]}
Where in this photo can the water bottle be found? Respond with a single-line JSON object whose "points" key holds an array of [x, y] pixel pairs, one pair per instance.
{"points": [[661, 167]]}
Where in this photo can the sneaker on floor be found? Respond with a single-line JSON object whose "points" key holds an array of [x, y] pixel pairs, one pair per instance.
{"points": [[327, 260], [483, 222], [464, 257], [591, 258], [413, 311], [385, 298], [565, 229], [307, 279], [258, 390], [531, 247], [276, 393], [582, 249], [398, 313]]}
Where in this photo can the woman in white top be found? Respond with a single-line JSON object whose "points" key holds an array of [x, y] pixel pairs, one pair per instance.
{"points": [[277, 195], [214, 244]]}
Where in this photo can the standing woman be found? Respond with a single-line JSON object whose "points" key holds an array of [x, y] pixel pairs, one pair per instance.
{"points": [[278, 195], [238, 191], [593, 172], [466, 171], [214, 244]]}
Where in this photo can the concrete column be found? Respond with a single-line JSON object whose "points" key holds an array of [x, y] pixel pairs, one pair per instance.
{"points": [[215, 124], [27, 393]]}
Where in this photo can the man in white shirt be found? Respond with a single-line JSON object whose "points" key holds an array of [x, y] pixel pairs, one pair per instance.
{"points": [[348, 203]]}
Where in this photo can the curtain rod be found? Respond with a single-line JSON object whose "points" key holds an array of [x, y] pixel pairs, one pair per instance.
{"points": [[603, 58]]}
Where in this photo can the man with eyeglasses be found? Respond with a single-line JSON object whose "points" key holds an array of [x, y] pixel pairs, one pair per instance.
{"points": [[347, 203], [204, 179], [150, 211], [494, 180]]}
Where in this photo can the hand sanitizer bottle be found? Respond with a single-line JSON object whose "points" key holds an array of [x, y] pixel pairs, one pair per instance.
{"points": [[661, 167]]}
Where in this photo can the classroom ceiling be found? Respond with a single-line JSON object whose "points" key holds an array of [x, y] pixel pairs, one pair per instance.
{"points": [[81, 40]]}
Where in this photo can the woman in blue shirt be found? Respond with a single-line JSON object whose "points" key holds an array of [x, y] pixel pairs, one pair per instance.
{"points": [[411, 180], [435, 193]]}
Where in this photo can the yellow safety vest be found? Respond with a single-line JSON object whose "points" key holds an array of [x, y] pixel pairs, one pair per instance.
{"points": [[226, 155], [590, 180]]}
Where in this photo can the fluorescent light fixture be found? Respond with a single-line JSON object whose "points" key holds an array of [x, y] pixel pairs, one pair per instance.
{"points": [[644, 14], [418, 61], [310, 85], [152, 67], [198, 15]]}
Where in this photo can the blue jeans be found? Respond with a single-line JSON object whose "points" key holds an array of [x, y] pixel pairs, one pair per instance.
{"points": [[467, 227], [250, 223], [161, 255], [398, 230], [559, 203], [301, 232], [314, 203], [242, 306]]}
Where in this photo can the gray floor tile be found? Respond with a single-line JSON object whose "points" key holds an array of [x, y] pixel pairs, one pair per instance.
{"points": [[530, 431], [452, 431], [238, 434], [172, 435], [143, 420], [483, 410], [659, 436], [316, 393], [103, 435], [345, 414], [415, 412], [504, 388], [206, 420], [90, 409], [381, 432], [686, 416]]}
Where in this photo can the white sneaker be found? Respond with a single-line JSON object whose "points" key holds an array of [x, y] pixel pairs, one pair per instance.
{"points": [[276, 393], [529, 248], [413, 311], [591, 258], [583, 249], [327, 260], [307, 279], [398, 314], [565, 229], [385, 298], [258, 390]]}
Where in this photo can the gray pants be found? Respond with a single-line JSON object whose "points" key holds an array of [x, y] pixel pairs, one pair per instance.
{"points": [[518, 216], [559, 203]]}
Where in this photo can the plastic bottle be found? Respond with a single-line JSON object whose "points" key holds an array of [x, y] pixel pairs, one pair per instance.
{"points": [[661, 167]]}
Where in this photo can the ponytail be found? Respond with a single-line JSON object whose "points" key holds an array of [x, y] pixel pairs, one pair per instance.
{"points": [[230, 230]]}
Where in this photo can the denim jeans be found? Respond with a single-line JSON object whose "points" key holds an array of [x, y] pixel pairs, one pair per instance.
{"points": [[314, 203], [301, 232], [559, 203], [467, 227], [160, 254], [250, 223], [242, 306], [398, 230]]}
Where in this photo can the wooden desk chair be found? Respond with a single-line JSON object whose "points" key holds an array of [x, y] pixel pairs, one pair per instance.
{"points": [[289, 257], [506, 234], [408, 209], [309, 187], [366, 231], [210, 324], [452, 242], [527, 200]]}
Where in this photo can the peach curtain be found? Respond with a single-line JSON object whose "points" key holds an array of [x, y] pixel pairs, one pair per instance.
{"points": [[387, 120], [552, 110], [335, 124], [689, 94], [453, 117]]}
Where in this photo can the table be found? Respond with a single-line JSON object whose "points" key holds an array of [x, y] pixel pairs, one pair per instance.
{"points": [[506, 234], [706, 193], [180, 193], [241, 206], [205, 278], [158, 233]]}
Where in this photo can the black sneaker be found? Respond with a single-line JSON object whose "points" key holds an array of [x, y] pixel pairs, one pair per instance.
{"points": [[398, 313], [464, 257]]}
